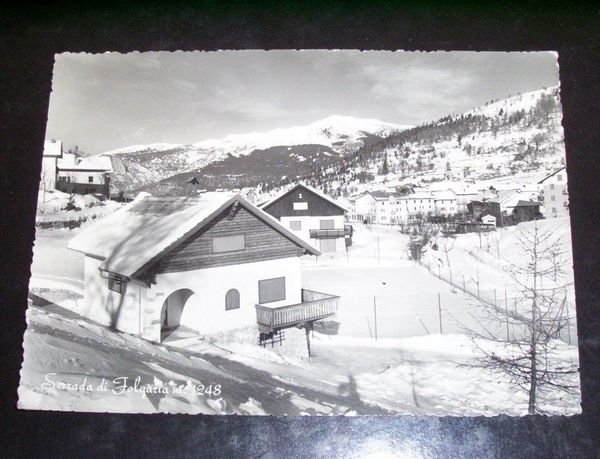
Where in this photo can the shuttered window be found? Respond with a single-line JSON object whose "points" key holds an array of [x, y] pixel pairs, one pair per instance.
{"points": [[228, 243], [326, 224], [232, 299], [270, 290]]}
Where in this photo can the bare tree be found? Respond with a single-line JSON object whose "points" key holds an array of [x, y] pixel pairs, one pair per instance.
{"points": [[531, 357]]}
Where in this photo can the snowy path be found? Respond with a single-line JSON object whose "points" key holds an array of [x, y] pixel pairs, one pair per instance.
{"points": [[239, 381]]}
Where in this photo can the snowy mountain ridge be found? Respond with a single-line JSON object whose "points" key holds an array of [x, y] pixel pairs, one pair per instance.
{"points": [[144, 164]]}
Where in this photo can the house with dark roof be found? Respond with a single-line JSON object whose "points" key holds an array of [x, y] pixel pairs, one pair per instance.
{"points": [[208, 264], [311, 215]]}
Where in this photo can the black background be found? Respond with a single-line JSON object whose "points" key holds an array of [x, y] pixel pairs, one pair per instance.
{"points": [[29, 38]]}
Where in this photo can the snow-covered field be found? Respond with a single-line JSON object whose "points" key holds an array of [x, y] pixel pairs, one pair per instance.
{"points": [[410, 369], [73, 364]]}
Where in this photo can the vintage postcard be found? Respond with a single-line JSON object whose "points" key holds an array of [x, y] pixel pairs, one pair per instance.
{"points": [[308, 232]]}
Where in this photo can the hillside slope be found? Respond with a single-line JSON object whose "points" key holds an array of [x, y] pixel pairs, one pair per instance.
{"points": [[519, 135]]}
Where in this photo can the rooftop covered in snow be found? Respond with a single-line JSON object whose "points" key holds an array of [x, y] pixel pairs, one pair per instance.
{"points": [[93, 163], [139, 233]]}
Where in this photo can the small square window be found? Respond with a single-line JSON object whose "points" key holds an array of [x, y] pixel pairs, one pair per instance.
{"points": [[270, 290], [91, 179], [559, 177], [300, 206], [296, 225]]}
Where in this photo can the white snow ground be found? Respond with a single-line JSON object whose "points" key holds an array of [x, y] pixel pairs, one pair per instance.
{"points": [[410, 369]]}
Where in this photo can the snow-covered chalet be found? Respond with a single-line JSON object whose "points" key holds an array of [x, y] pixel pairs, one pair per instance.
{"points": [[313, 216], [209, 264]]}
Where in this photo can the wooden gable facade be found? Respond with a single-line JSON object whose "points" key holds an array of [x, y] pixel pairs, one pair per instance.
{"points": [[232, 237], [300, 201]]}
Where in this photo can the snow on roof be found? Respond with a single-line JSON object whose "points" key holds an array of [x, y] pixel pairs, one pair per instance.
{"points": [[504, 196], [552, 174], [99, 163], [522, 203], [381, 195], [53, 148], [291, 188], [418, 195], [134, 236], [446, 194]]}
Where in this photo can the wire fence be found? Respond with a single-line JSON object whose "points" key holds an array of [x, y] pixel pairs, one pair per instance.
{"points": [[515, 309]]}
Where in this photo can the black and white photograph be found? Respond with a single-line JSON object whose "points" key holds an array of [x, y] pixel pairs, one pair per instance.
{"points": [[303, 232]]}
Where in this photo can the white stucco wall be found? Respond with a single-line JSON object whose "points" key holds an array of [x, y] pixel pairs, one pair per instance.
{"points": [[555, 195], [310, 222], [204, 311], [121, 311], [48, 173], [83, 176]]}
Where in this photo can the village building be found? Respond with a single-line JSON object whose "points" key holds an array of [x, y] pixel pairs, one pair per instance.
{"points": [[488, 220], [84, 175], [390, 208], [508, 207], [524, 211], [52, 153], [362, 208], [485, 208], [313, 216], [418, 205], [556, 195], [463, 197], [208, 264], [445, 203]]}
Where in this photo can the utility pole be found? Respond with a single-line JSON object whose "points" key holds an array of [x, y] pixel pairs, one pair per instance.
{"points": [[440, 311], [375, 315]]}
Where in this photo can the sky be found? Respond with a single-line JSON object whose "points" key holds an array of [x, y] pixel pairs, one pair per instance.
{"points": [[102, 102]]}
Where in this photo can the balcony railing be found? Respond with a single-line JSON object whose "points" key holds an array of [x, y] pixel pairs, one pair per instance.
{"points": [[331, 233], [314, 306]]}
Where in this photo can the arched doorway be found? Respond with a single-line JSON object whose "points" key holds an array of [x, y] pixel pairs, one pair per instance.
{"points": [[172, 308]]}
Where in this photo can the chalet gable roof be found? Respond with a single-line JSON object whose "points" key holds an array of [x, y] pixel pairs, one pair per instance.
{"points": [[140, 233], [293, 188]]}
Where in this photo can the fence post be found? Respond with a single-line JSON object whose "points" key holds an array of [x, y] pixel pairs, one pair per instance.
{"points": [[464, 284], [440, 312], [506, 307], [439, 271], [495, 299], [375, 315]]}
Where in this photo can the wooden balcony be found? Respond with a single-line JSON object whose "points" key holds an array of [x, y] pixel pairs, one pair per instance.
{"points": [[331, 233], [314, 306]]}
